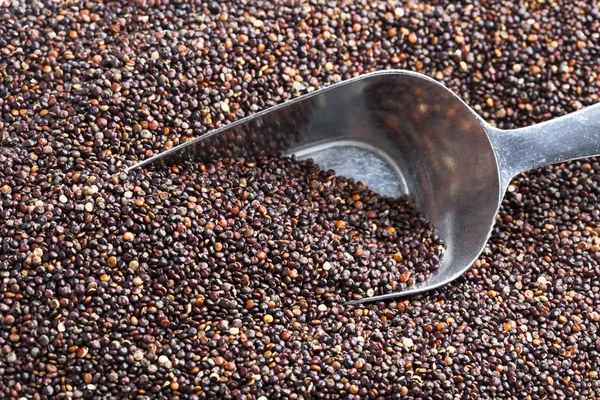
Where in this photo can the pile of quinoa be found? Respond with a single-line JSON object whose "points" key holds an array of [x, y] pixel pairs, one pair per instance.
{"points": [[181, 283]]}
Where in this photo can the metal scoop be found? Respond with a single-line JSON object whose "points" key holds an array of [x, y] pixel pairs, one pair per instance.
{"points": [[404, 134]]}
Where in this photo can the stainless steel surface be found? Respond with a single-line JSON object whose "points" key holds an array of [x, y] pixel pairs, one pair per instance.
{"points": [[566, 138], [402, 133]]}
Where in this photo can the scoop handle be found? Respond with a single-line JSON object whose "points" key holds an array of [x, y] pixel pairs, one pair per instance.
{"points": [[569, 137]]}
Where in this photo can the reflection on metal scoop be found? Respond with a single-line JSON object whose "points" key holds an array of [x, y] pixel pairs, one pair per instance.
{"points": [[402, 133]]}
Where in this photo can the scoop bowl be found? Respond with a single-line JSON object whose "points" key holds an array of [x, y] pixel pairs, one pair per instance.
{"points": [[404, 134]]}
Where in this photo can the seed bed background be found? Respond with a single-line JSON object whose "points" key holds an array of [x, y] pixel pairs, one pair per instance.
{"points": [[88, 88]]}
